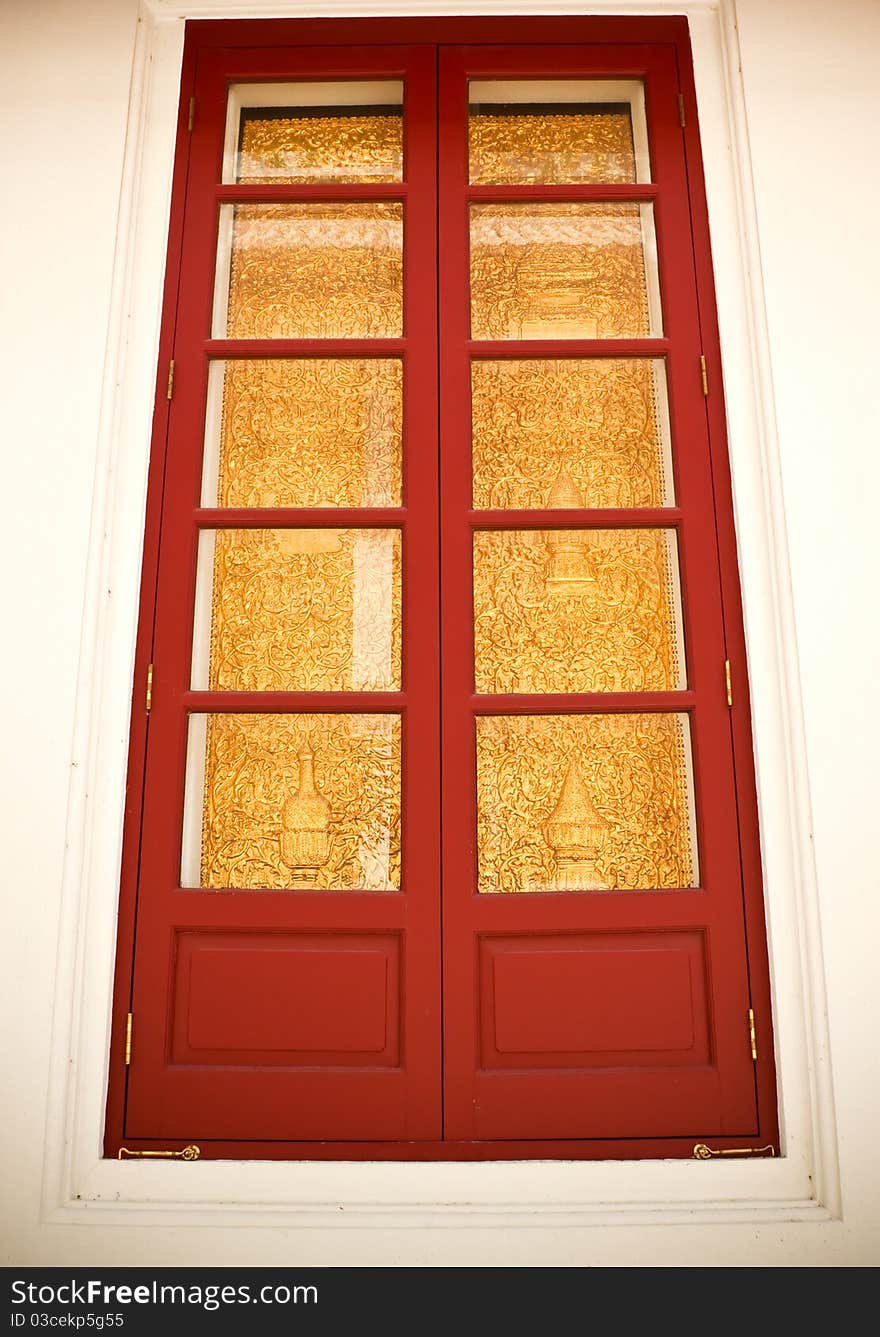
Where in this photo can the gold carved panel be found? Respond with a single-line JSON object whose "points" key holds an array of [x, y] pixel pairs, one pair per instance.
{"points": [[292, 148], [551, 148], [558, 271], [305, 610], [316, 271], [303, 802], [598, 419], [310, 432], [566, 610], [584, 802]]}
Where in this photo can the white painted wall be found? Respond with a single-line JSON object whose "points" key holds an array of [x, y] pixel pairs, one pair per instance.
{"points": [[80, 299]]}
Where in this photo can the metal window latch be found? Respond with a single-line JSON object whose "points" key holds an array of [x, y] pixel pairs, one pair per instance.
{"points": [[190, 1153], [704, 1153]]}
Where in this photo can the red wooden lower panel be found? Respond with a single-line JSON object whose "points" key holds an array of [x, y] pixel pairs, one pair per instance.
{"points": [[277, 1034], [311, 1000], [596, 1035], [605, 1034], [594, 1000]]}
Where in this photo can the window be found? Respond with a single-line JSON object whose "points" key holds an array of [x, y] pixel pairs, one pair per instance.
{"points": [[442, 838]]}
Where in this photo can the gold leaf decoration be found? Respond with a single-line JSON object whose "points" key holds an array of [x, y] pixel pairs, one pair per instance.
{"points": [[611, 629], [558, 271], [311, 432], [316, 271], [253, 770], [551, 148], [595, 417], [633, 796], [305, 610], [299, 149]]}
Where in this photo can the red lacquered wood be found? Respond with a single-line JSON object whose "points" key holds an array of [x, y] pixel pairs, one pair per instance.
{"points": [[645, 1099], [170, 1086], [289, 517], [322, 193], [740, 714], [526, 194], [138, 733], [676, 908], [221, 907], [335, 703], [315, 348], [498, 1107], [575, 703], [646, 518], [573, 348], [268, 33]]}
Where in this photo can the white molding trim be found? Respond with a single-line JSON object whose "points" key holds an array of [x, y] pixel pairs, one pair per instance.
{"points": [[79, 1187]]}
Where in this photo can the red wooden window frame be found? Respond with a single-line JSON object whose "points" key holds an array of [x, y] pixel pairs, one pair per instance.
{"points": [[480, 1114]]}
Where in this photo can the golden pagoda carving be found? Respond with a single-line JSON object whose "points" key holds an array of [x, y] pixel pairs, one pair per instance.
{"points": [[575, 831], [568, 571], [305, 827]]}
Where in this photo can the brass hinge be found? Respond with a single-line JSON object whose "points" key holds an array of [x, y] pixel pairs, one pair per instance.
{"points": [[128, 1040], [149, 695], [727, 682], [169, 387], [190, 1153], [703, 375], [704, 1153], [753, 1039], [681, 110], [190, 121]]}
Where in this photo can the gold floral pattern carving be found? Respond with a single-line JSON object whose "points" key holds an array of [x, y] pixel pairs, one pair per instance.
{"points": [[613, 630], [597, 418], [633, 770], [299, 149], [253, 771], [305, 610], [316, 271], [551, 149], [311, 432], [558, 271]]}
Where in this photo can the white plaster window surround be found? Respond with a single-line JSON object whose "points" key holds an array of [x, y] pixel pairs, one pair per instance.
{"points": [[79, 1187]]}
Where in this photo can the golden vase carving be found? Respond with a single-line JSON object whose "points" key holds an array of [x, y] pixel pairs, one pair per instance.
{"points": [[305, 824]]}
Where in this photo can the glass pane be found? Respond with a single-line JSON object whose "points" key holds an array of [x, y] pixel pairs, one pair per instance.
{"points": [[310, 271], [305, 132], [603, 422], [297, 610], [296, 802], [303, 432], [585, 803], [563, 271], [577, 610], [553, 131]]}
